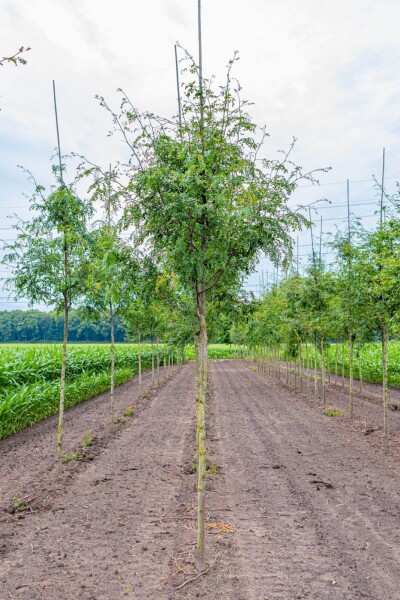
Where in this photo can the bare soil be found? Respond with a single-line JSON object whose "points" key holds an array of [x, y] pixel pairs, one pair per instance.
{"points": [[299, 505]]}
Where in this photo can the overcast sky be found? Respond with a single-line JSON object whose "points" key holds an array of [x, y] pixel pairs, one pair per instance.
{"points": [[325, 72]]}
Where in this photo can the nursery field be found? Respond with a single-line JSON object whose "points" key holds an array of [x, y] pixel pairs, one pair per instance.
{"points": [[300, 505]]}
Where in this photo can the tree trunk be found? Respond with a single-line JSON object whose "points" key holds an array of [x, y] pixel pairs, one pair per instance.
{"points": [[308, 370], [301, 368], [158, 361], [315, 370], [351, 374], [336, 361], [323, 370], [201, 385], [62, 380], [360, 376], [140, 363], [152, 364], [385, 383], [112, 351], [342, 363]]}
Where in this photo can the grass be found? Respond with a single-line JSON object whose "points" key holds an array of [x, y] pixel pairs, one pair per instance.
{"points": [[72, 456], [88, 440], [333, 412]]}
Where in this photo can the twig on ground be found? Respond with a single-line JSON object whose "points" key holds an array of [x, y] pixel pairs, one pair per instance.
{"points": [[200, 574]]}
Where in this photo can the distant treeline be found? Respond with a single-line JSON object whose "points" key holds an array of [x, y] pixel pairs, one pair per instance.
{"points": [[38, 326]]}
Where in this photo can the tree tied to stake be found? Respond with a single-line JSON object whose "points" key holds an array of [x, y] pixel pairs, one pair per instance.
{"points": [[201, 196], [50, 260]]}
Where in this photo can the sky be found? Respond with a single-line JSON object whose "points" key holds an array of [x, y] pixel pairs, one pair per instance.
{"points": [[326, 73]]}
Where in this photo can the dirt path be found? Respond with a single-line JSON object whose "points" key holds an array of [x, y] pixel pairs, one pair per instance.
{"points": [[302, 506]]}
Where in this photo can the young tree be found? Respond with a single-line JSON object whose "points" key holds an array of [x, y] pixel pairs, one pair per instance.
{"points": [[201, 196], [50, 260], [377, 272]]}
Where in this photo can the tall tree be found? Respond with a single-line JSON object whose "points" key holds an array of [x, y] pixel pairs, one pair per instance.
{"points": [[201, 196], [50, 259]]}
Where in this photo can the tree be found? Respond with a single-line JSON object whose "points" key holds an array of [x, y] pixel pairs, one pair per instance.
{"points": [[376, 267], [201, 196], [50, 260]]}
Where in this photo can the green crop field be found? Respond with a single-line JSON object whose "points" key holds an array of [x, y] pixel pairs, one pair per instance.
{"points": [[371, 361], [30, 376]]}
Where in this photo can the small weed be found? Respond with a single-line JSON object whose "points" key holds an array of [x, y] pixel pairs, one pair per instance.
{"points": [[72, 456], [128, 412], [88, 439], [212, 469], [254, 368], [333, 412], [118, 420], [17, 503]]}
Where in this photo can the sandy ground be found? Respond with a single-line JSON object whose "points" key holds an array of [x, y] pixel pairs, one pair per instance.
{"points": [[299, 505]]}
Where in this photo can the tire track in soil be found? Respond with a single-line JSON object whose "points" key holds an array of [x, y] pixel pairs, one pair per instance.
{"points": [[299, 537], [104, 539]]}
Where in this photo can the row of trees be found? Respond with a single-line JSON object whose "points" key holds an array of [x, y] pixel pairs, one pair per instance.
{"points": [[354, 301], [40, 326]]}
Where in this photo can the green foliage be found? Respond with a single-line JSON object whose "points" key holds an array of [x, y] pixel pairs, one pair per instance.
{"points": [[215, 351], [50, 259], [88, 439], [128, 412], [333, 412], [72, 456], [18, 505]]}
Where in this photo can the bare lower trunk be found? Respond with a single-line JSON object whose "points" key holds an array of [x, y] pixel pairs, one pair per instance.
{"points": [[62, 381], [315, 370], [360, 375], [342, 364], [202, 360], [140, 363], [301, 368], [323, 370], [351, 374], [112, 352], [152, 364], [385, 383], [336, 362], [158, 361]]}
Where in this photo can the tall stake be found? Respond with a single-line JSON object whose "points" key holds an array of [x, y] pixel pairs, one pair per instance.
{"points": [[312, 237], [351, 354], [58, 132], [178, 87], [320, 242], [382, 188], [200, 48]]}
